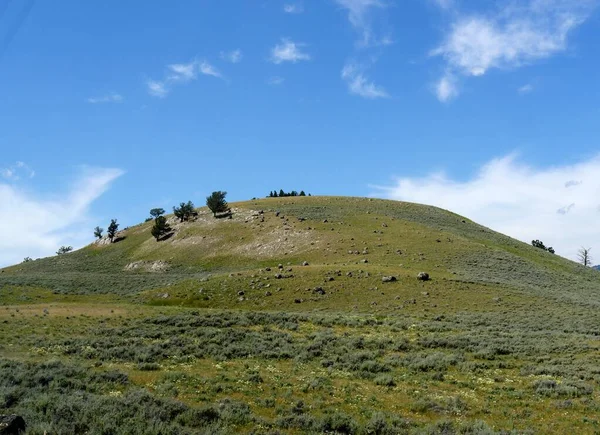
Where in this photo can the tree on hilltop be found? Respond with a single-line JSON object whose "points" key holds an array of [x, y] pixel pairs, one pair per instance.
{"points": [[98, 232], [584, 257], [112, 229], [539, 244], [216, 202], [156, 212], [64, 250], [185, 211], [160, 228]]}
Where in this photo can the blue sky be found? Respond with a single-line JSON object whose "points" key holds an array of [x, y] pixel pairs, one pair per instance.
{"points": [[490, 109]]}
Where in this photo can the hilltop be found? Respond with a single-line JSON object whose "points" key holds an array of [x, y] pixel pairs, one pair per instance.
{"points": [[315, 300]]}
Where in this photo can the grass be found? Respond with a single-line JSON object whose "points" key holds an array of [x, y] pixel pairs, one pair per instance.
{"points": [[504, 338]]}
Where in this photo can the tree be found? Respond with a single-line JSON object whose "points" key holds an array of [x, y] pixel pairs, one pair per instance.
{"points": [[112, 229], [216, 202], [64, 250], [302, 193], [539, 244], [160, 227], [98, 232], [156, 212], [27, 259], [584, 257], [281, 193], [185, 211]]}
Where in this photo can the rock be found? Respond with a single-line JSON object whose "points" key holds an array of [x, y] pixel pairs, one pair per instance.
{"points": [[319, 290], [329, 278], [388, 279], [364, 260], [164, 295], [423, 276], [267, 293], [384, 225], [305, 263], [280, 266], [278, 276], [267, 269], [297, 301], [277, 214], [241, 299], [241, 293], [12, 425]]}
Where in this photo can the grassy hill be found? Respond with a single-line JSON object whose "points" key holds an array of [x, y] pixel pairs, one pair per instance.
{"points": [[278, 320]]}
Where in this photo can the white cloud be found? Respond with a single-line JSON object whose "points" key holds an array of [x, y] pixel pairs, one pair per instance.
{"points": [[288, 51], [112, 97], [234, 56], [446, 89], [40, 225], [444, 4], [512, 36], [209, 70], [518, 200], [358, 84], [359, 16], [525, 89], [293, 8], [17, 171], [180, 73], [275, 80], [157, 89]]}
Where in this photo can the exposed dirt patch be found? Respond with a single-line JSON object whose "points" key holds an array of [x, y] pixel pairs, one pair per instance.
{"points": [[148, 266], [278, 242]]}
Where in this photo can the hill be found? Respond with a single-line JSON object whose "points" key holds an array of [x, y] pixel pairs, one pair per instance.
{"points": [[284, 317]]}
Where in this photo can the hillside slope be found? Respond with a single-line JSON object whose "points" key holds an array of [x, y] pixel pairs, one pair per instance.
{"points": [[332, 234]]}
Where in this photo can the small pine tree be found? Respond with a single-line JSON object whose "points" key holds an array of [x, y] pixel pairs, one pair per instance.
{"points": [[216, 202], [281, 193], [302, 193], [185, 211], [274, 194], [64, 250], [98, 232], [156, 212], [27, 260], [160, 228], [112, 229]]}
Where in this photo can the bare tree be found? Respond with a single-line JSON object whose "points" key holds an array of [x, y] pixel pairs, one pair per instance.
{"points": [[584, 257]]}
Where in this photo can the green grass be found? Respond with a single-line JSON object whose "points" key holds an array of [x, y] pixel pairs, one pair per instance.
{"points": [[504, 337]]}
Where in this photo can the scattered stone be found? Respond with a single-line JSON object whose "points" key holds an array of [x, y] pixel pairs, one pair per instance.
{"points": [[164, 295], [364, 260], [325, 221], [388, 279], [277, 214], [267, 293], [425, 293], [268, 285], [305, 263], [289, 269], [241, 293], [319, 290], [497, 299], [329, 278], [280, 266], [278, 276], [349, 274], [241, 299], [423, 276], [267, 269], [297, 301], [384, 225]]}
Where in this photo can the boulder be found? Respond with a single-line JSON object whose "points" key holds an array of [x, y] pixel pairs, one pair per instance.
{"points": [[12, 425], [388, 279], [305, 263], [423, 276]]}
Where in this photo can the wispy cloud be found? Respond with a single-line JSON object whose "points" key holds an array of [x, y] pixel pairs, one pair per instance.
{"points": [[444, 4], [234, 56], [446, 88], [519, 200], [359, 15], [157, 88], [288, 51], [111, 97], [48, 221], [514, 35], [181, 73], [359, 84], [17, 171], [275, 80], [525, 89], [293, 8]]}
